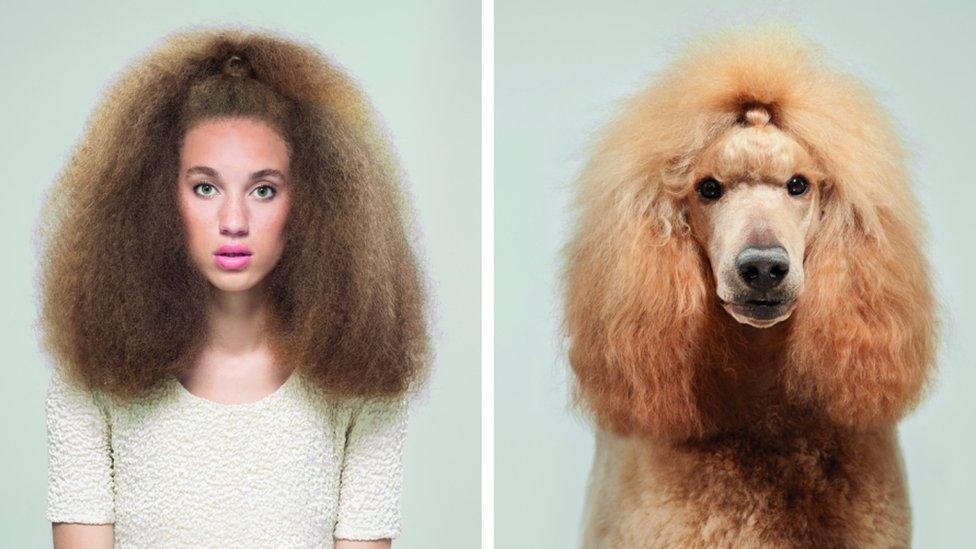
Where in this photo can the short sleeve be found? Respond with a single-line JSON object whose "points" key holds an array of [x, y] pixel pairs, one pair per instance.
{"points": [[372, 471], [80, 481]]}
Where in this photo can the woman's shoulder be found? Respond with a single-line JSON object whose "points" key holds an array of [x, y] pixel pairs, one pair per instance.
{"points": [[350, 409]]}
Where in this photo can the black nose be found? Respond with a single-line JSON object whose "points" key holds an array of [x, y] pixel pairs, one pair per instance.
{"points": [[763, 268]]}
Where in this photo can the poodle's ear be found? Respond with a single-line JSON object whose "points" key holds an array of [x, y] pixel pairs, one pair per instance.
{"points": [[864, 329], [637, 312]]}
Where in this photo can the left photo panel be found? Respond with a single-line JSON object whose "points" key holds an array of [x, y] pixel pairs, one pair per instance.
{"points": [[242, 303]]}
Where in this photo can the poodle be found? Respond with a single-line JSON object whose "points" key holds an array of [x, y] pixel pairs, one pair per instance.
{"points": [[748, 308]]}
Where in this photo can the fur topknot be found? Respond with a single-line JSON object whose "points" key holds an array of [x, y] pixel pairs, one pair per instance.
{"points": [[122, 308], [649, 345]]}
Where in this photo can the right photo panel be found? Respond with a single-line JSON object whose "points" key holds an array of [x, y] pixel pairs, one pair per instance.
{"points": [[732, 286]]}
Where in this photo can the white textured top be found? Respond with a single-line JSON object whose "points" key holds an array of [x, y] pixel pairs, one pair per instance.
{"points": [[173, 469]]}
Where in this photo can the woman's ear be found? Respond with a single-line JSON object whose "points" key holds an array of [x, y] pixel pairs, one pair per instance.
{"points": [[863, 338], [637, 313]]}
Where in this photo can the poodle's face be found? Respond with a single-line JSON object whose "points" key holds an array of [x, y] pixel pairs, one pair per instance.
{"points": [[754, 207]]}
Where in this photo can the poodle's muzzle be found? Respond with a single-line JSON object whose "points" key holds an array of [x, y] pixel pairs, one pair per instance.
{"points": [[761, 297]]}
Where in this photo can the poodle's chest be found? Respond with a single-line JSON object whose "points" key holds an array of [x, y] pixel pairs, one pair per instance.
{"points": [[794, 491]]}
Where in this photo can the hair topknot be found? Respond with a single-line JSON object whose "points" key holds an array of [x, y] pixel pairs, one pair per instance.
{"points": [[236, 66], [347, 297]]}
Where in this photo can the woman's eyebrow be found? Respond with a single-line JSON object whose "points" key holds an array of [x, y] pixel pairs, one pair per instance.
{"points": [[210, 172]]}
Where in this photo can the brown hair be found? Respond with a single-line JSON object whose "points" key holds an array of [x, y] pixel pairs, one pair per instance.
{"points": [[647, 343], [122, 307]]}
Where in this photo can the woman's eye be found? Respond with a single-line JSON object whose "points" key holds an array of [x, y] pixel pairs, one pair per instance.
{"points": [[204, 189], [268, 191], [797, 185], [710, 189]]}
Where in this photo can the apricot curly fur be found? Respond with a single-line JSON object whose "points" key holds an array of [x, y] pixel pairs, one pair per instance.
{"points": [[122, 309], [649, 347]]}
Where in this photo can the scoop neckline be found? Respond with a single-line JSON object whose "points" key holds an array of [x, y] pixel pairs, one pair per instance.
{"points": [[274, 395]]}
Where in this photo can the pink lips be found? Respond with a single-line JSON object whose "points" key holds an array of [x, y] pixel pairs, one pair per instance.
{"points": [[232, 257]]}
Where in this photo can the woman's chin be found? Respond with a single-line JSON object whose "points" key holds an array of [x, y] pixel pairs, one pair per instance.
{"points": [[232, 281]]}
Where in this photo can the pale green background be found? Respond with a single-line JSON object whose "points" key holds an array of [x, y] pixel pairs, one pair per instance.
{"points": [[560, 65], [419, 61]]}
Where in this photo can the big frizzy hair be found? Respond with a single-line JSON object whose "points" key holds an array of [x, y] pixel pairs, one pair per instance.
{"points": [[122, 307], [648, 345]]}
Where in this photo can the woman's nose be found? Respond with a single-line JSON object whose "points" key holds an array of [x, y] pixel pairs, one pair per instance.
{"points": [[233, 218]]}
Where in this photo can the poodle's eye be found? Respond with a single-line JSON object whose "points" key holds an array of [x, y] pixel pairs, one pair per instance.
{"points": [[797, 185], [709, 188]]}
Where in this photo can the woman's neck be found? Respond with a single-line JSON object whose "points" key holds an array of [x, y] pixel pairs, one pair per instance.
{"points": [[237, 321], [236, 363]]}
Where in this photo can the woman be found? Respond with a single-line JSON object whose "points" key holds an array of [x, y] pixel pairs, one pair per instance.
{"points": [[234, 309]]}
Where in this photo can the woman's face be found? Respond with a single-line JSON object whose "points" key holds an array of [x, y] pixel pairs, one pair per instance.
{"points": [[233, 193]]}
